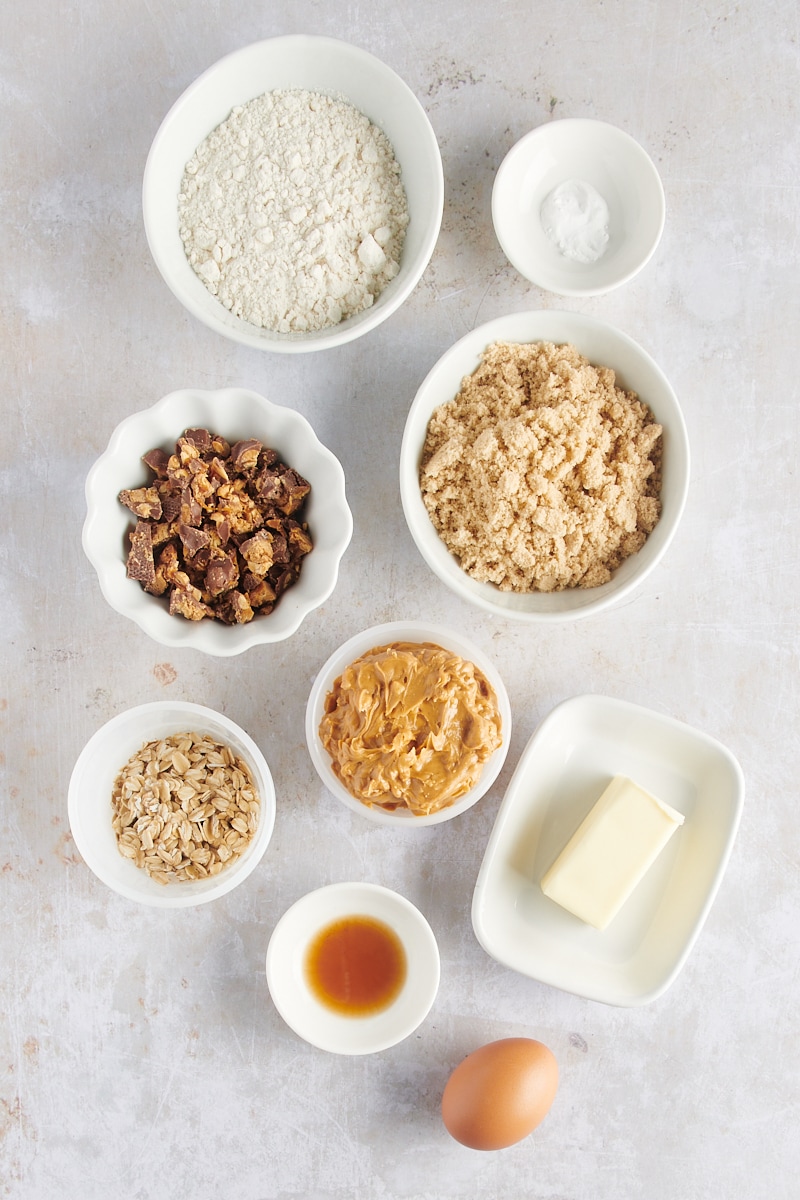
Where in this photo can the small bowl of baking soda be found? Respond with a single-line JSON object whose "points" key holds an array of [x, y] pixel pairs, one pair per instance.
{"points": [[578, 207]]}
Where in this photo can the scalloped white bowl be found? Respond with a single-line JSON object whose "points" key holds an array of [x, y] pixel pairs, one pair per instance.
{"points": [[235, 413], [604, 346], [314, 64], [380, 635], [92, 781]]}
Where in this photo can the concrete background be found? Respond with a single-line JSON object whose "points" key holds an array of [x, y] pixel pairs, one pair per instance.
{"points": [[140, 1054]]}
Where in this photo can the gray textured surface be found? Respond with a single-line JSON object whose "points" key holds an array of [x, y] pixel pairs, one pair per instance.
{"points": [[140, 1055]]}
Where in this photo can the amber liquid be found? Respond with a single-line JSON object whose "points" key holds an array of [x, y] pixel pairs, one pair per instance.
{"points": [[356, 966]]}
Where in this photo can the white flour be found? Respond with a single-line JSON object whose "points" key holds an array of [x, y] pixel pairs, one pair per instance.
{"points": [[292, 211]]}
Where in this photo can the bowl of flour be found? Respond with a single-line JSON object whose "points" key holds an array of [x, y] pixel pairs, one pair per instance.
{"points": [[578, 207], [293, 194]]}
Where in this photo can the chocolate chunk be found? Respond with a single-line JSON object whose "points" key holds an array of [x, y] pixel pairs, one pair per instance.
{"points": [[191, 513], [193, 539], [282, 488], [280, 549], [260, 593], [298, 537], [257, 552], [197, 565], [221, 575], [170, 502], [183, 602], [200, 438], [157, 461], [268, 485], [280, 544], [140, 556], [143, 502], [244, 455], [234, 609], [297, 489], [284, 579]]}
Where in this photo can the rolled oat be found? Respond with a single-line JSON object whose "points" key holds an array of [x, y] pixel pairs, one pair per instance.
{"points": [[184, 807]]}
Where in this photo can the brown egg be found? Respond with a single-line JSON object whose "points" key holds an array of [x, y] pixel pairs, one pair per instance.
{"points": [[500, 1093]]}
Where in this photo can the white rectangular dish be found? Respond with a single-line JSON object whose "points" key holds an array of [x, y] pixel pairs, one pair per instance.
{"points": [[567, 763]]}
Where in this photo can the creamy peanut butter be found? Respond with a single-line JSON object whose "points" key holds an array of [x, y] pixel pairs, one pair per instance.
{"points": [[410, 725]]}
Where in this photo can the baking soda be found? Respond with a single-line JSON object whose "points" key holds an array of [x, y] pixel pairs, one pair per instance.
{"points": [[575, 218]]}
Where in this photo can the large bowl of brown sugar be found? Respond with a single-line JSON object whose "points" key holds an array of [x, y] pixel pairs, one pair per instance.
{"points": [[544, 466]]}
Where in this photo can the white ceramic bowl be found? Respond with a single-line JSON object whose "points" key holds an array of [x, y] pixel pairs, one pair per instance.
{"points": [[314, 64], [296, 1002], [235, 413], [380, 635], [570, 758], [92, 781], [604, 346], [616, 166]]}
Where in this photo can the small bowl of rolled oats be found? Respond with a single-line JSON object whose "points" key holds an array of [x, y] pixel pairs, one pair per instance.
{"points": [[171, 804]]}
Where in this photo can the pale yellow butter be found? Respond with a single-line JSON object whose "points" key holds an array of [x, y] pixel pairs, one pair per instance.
{"points": [[610, 852]]}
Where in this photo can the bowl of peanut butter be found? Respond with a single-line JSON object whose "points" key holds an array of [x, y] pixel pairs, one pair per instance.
{"points": [[408, 724]]}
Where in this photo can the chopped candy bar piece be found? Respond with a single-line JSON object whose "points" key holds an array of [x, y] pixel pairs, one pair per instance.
{"points": [[185, 603], [157, 461], [299, 537], [296, 491], [221, 575], [260, 594], [140, 564], [234, 609], [193, 539], [200, 438], [170, 501], [257, 552], [244, 455], [191, 512], [214, 533], [143, 502]]}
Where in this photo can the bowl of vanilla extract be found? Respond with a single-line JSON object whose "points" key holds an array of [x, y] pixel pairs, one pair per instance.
{"points": [[353, 968]]}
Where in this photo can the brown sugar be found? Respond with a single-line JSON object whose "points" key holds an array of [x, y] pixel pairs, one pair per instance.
{"points": [[542, 473]]}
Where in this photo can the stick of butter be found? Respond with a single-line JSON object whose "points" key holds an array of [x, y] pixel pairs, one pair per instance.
{"points": [[610, 852]]}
